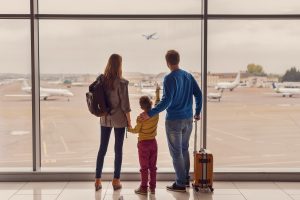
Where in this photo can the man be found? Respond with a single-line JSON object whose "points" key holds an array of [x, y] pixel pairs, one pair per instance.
{"points": [[179, 89]]}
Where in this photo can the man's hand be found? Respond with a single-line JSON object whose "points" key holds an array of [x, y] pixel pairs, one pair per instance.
{"points": [[197, 117], [144, 116]]}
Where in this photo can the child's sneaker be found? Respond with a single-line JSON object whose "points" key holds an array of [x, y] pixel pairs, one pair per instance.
{"points": [[141, 190], [152, 190]]}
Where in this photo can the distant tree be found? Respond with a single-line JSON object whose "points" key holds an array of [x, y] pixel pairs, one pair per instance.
{"points": [[256, 70], [291, 75]]}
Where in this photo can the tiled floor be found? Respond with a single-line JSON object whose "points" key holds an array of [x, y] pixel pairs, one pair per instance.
{"points": [[85, 191]]}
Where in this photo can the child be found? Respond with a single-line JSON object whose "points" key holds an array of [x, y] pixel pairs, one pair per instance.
{"points": [[147, 147]]}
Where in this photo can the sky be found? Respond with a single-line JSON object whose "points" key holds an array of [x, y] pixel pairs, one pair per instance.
{"points": [[84, 46]]}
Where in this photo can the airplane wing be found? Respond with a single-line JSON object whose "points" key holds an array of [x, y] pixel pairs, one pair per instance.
{"points": [[18, 95], [279, 94], [152, 34], [42, 96]]}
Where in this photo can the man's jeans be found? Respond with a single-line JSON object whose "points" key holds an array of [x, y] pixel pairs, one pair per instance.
{"points": [[178, 136]]}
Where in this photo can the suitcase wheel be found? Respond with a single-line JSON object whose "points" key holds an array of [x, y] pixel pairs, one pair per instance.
{"points": [[211, 189], [196, 188]]}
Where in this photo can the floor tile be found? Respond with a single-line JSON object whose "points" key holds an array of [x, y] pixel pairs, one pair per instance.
{"points": [[129, 187], [82, 191], [256, 185], [203, 196], [161, 194], [295, 197], [33, 197], [7, 189], [292, 188], [252, 194], [225, 188], [86, 191], [261, 190], [35, 188]]}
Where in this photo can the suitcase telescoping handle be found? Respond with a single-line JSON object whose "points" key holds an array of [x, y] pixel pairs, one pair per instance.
{"points": [[195, 139], [196, 136]]}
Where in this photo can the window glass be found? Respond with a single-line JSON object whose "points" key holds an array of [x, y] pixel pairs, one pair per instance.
{"points": [[14, 6], [254, 125], [73, 53], [15, 101], [120, 7], [253, 6]]}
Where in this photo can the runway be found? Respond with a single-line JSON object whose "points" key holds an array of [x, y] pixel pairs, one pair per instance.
{"points": [[249, 128]]}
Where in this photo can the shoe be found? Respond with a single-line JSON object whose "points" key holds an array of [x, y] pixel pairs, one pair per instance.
{"points": [[116, 184], [141, 190], [176, 188], [152, 190], [98, 185]]}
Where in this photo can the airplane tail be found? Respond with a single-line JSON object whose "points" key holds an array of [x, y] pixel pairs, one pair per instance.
{"points": [[274, 86], [238, 78], [25, 84]]}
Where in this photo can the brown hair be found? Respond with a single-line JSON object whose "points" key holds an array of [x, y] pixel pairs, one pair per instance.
{"points": [[113, 70], [145, 103], [172, 57]]}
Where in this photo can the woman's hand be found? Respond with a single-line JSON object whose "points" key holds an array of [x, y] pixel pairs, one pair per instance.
{"points": [[129, 124]]}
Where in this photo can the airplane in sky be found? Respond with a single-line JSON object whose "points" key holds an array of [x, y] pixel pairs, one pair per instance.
{"points": [[150, 36], [45, 93], [229, 85], [286, 92]]}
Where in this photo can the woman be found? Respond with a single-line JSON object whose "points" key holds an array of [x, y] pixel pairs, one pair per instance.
{"points": [[116, 89]]}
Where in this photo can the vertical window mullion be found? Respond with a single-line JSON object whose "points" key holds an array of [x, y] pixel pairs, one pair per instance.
{"points": [[35, 86], [204, 77]]}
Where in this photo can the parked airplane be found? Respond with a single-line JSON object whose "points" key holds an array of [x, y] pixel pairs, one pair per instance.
{"points": [[9, 81], [286, 91], [215, 96], [45, 93], [229, 85], [290, 84], [80, 84], [150, 36], [68, 83]]}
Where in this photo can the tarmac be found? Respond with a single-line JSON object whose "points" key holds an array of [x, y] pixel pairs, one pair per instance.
{"points": [[249, 128]]}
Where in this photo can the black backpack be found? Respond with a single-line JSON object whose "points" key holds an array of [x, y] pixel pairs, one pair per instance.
{"points": [[96, 98]]}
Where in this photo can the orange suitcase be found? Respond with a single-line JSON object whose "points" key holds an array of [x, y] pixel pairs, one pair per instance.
{"points": [[203, 167]]}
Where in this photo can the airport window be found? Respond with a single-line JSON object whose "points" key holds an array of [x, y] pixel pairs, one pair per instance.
{"points": [[14, 6], [254, 125], [253, 7], [73, 53], [252, 82], [15, 101], [120, 7]]}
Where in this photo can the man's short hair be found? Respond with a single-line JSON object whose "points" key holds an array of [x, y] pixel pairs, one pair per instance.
{"points": [[172, 57], [145, 103]]}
